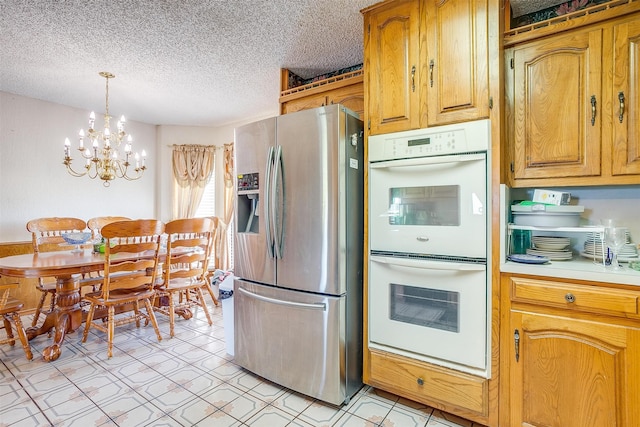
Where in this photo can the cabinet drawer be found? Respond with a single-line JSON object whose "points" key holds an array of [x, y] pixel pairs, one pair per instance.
{"points": [[427, 383], [618, 302]]}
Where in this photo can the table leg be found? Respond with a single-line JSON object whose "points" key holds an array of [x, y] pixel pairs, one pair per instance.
{"points": [[66, 317]]}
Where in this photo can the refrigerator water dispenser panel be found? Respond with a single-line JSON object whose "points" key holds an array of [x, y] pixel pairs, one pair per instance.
{"points": [[248, 203], [248, 182]]}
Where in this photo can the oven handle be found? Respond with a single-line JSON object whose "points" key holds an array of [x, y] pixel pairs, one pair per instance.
{"points": [[422, 161], [428, 264]]}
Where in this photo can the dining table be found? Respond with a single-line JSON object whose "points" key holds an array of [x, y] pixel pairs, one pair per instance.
{"points": [[68, 267]]}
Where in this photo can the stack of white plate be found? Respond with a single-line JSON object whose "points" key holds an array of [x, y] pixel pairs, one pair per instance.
{"points": [[594, 248], [552, 247]]}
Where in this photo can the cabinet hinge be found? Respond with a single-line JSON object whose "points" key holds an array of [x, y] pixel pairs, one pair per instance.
{"points": [[369, 29], [491, 102], [512, 63]]}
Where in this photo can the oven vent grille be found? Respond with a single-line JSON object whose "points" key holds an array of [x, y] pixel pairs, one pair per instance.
{"points": [[430, 257]]}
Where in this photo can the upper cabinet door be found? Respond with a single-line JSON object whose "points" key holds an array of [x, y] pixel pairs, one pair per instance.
{"points": [[455, 73], [557, 106], [392, 67], [626, 99]]}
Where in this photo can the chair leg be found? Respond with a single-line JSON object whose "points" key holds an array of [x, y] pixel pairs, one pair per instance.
{"points": [[203, 304], [22, 336], [88, 321], [110, 331], [36, 315], [136, 310], [8, 330], [172, 315], [152, 316]]}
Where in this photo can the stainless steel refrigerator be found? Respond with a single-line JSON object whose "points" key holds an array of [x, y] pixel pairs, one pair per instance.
{"points": [[298, 255]]}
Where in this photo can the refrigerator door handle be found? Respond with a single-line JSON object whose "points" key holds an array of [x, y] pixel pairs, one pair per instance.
{"points": [[315, 306], [267, 202], [275, 209]]}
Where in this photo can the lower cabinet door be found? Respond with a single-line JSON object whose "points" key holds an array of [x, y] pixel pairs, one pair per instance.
{"points": [[573, 373]]}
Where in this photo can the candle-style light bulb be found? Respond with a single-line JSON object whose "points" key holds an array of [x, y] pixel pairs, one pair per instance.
{"points": [[144, 157]]}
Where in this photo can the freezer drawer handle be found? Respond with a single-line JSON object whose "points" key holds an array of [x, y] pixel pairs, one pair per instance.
{"points": [[315, 306]]}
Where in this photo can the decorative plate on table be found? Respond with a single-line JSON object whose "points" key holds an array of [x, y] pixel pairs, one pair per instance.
{"points": [[529, 259]]}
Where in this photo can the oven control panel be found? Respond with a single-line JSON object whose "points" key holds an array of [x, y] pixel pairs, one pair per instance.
{"points": [[442, 140]]}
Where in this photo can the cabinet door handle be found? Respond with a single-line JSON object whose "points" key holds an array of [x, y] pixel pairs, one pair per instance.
{"points": [[569, 297], [413, 78], [593, 110], [516, 340], [431, 65], [621, 99], [420, 381]]}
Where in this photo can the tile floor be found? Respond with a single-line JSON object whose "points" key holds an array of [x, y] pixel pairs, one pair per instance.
{"points": [[188, 380]]}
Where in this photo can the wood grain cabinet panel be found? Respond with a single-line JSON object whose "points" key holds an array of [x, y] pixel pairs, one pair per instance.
{"points": [[305, 103], [392, 65], [557, 86], [456, 74], [351, 97], [626, 98], [573, 107], [426, 64], [567, 366]]}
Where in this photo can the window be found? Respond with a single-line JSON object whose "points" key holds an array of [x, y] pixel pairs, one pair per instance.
{"points": [[207, 205]]}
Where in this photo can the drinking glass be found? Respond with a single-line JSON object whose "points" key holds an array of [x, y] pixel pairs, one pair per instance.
{"points": [[615, 238]]}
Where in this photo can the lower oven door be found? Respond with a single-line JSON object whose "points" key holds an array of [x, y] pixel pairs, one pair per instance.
{"points": [[431, 310]]}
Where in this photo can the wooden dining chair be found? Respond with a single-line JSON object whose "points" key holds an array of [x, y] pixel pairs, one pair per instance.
{"points": [[131, 259], [10, 312], [46, 236], [185, 273], [95, 224]]}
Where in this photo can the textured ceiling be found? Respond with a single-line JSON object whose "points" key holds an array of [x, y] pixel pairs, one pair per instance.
{"points": [[182, 62]]}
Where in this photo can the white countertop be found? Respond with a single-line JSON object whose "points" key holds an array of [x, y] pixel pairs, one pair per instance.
{"points": [[578, 268]]}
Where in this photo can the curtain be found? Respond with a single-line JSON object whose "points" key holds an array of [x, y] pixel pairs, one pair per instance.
{"points": [[192, 168], [229, 205]]}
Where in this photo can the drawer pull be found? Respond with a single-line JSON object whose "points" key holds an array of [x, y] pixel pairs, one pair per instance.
{"points": [[420, 381], [570, 297]]}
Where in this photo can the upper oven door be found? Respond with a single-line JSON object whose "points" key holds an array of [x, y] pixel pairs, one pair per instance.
{"points": [[429, 205]]}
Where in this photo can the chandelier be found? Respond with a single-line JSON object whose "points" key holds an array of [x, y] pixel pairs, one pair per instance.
{"points": [[103, 159]]}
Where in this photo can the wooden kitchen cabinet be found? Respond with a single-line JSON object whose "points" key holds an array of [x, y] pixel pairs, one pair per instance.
{"points": [[626, 98], [346, 89], [571, 353], [351, 96], [563, 107], [426, 63], [391, 63], [456, 75]]}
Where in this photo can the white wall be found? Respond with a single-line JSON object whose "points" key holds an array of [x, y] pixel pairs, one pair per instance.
{"points": [[34, 183]]}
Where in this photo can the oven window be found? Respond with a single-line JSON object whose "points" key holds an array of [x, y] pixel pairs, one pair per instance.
{"points": [[432, 308], [428, 205]]}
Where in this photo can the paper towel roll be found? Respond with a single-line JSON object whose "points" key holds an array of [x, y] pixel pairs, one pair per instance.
{"points": [[523, 7]]}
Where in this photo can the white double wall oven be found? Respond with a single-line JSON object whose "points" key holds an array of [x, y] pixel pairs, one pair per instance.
{"points": [[429, 281]]}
